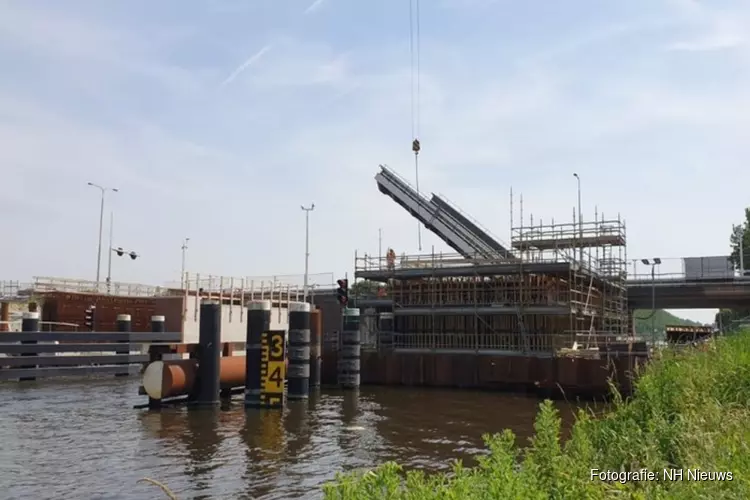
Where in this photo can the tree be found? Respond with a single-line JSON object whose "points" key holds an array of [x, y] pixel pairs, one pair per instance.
{"points": [[741, 232]]}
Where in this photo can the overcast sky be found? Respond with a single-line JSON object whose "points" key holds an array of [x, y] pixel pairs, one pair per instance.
{"points": [[218, 119]]}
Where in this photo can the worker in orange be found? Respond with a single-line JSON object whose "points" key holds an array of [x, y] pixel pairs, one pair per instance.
{"points": [[391, 259]]}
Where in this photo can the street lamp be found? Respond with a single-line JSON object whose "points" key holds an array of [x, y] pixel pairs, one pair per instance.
{"points": [[101, 227], [655, 262], [182, 273], [740, 233], [111, 248], [307, 246], [580, 218]]}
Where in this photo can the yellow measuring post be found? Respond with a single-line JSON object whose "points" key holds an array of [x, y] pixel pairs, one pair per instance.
{"points": [[272, 369]]}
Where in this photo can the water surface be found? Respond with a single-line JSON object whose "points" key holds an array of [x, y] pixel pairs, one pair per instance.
{"points": [[82, 439]]}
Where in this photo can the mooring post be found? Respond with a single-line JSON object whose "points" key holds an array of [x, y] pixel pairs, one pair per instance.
{"points": [[385, 332], [4, 316], [299, 350], [349, 353], [29, 324], [209, 354], [258, 321], [316, 348], [123, 325], [156, 353], [158, 324]]}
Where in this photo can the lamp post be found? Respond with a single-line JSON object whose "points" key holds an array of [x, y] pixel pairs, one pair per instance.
{"points": [[182, 269], [307, 246], [655, 262], [580, 219], [740, 231], [109, 260], [380, 246], [101, 228]]}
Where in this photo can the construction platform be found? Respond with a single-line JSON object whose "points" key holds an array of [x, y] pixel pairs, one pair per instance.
{"points": [[565, 290]]}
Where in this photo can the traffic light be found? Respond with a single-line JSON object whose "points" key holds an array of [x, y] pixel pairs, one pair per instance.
{"points": [[119, 251], [133, 255], [90, 317], [342, 294]]}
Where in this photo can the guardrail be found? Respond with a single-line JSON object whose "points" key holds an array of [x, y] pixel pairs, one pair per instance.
{"points": [[32, 354]]}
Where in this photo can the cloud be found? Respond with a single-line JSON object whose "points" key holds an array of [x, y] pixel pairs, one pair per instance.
{"points": [[317, 4], [713, 28], [248, 62], [103, 97]]}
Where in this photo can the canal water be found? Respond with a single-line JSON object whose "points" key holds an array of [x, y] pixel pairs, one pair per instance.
{"points": [[83, 439]]}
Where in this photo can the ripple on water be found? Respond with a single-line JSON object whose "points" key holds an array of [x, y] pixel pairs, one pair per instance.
{"points": [[83, 439]]}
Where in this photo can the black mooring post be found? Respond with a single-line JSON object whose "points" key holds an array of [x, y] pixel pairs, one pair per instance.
{"points": [[258, 321], [158, 325], [123, 325], [299, 350], [209, 355], [316, 348], [349, 352], [29, 324]]}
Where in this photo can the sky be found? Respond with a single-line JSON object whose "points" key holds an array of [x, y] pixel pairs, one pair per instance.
{"points": [[217, 120]]}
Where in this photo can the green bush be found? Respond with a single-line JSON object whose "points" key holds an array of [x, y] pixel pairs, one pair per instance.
{"points": [[690, 410]]}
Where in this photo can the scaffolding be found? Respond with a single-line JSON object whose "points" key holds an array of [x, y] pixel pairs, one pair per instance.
{"points": [[565, 290]]}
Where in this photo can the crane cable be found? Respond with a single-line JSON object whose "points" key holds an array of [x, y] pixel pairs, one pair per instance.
{"points": [[414, 36]]}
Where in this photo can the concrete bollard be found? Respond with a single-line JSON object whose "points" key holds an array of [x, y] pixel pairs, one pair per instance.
{"points": [[349, 350], [258, 321], [123, 325], [29, 324], [385, 332], [299, 350], [209, 355], [316, 348]]}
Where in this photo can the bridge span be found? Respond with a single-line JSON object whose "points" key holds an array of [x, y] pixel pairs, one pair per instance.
{"points": [[682, 293]]}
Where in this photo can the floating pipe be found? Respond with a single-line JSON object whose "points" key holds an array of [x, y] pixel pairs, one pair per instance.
{"points": [[166, 379]]}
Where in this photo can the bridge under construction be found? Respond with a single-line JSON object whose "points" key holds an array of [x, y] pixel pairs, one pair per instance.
{"points": [[557, 285]]}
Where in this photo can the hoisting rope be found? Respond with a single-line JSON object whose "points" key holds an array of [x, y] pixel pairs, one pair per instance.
{"points": [[414, 30]]}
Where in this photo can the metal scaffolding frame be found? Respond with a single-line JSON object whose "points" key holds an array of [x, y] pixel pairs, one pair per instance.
{"points": [[566, 290]]}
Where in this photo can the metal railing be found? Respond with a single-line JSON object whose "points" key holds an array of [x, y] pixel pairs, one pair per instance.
{"points": [[554, 343], [30, 355], [567, 231], [437, 260], [474, 221], [45, 326], [43, 284], [673, 269]]}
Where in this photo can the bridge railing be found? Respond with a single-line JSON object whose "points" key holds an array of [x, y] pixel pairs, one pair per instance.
{"points": [[674, 269]]}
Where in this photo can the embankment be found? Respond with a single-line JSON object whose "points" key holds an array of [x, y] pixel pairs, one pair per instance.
{"points": [[689, 413]]}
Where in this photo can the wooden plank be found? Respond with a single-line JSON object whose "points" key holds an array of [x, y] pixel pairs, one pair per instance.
{"points": [[70, 371], [110, 359], [91, 337], [52, 348]]}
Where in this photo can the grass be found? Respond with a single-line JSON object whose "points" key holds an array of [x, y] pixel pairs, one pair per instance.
{"points": [[690, 410]]}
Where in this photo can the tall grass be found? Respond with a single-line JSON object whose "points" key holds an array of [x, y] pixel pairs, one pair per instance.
{"points": [[690, 410]]}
